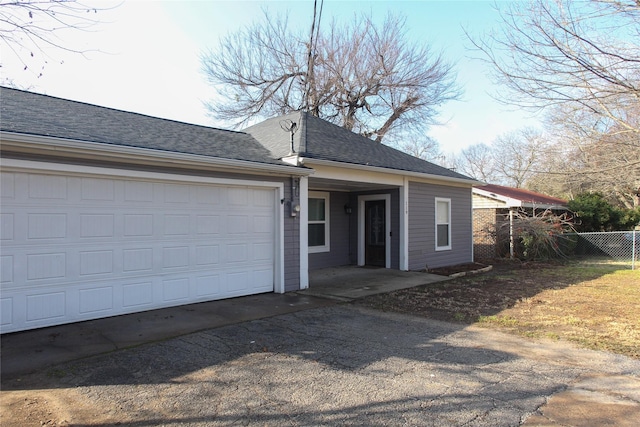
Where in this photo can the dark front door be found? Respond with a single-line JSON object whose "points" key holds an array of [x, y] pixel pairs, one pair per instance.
{"points": [[375, 233]]}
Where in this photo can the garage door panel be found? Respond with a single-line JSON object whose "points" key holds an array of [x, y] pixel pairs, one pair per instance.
{"points": [[97, 189], [97, 225], [98, 262], [176, 193], [175, 257], [137, 295], [48, 187], [96, 300], [49, 306], [7, 187], [46, 266], [207, 224], [208, 195], [236, 253], [81, 247], [263, 279], [6, 311], [175, 290], [138, 193], [237, 224], [176, 225], [262, 224], [237, 282], [6, 227], [6, 269], [138, 225], [260, 198], [137, 260], [207, 255], [207, 286], [237, 197]]}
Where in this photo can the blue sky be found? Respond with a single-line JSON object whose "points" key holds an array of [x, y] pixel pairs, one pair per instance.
{"points": [[145, 58]]}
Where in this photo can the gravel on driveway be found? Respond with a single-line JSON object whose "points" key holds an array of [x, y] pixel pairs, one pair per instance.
{"points": [[339, 365]]}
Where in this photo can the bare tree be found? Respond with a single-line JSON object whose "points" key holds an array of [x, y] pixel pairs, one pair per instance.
{"points": [[477, 161], [424, 148], [367, 78], [581, 62], [518, 155], [582, 55], [512, 159], [595, 160], [29, 27]]}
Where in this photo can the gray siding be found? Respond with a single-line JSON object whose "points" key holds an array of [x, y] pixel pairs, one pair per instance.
{"points": [[291, 245], [339, 235], [422, 253]]}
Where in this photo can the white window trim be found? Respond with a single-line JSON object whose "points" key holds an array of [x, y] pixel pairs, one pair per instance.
{"points": [[448, 247], [327, 244]]}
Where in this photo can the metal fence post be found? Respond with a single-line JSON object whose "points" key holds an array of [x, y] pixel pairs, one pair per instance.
{"points": [[633, 250]]}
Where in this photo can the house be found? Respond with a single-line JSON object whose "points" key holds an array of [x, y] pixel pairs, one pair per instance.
{"points": [[106, 212], [494, 205]]}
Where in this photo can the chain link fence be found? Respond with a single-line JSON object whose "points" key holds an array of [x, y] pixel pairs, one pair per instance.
{"points": [[621, 246]]}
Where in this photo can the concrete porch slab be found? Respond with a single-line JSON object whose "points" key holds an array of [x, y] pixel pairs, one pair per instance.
{"points": [[351, 282]]}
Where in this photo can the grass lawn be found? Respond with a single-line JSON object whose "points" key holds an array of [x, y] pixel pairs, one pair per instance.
{"points": [[593, 305]]}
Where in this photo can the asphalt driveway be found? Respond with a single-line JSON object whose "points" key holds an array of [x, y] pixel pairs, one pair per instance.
{"points": [[335, 365]]}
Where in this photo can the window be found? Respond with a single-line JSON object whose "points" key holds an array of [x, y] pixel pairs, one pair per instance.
{"points": [[318, 221], [443, 224]]}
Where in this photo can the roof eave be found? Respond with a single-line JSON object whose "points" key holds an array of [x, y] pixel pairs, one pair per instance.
{"points": [[39, 144], [311, 161], [510, 202]]}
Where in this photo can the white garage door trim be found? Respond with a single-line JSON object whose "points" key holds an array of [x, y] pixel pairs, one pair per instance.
{"points": [[22, 166]]}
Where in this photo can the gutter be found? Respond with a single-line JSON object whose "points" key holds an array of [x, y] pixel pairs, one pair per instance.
{"points": [[46, 145]]}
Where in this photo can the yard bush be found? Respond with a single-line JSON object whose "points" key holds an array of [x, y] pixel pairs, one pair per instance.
{"points": [[537, 237], [592, 212]]}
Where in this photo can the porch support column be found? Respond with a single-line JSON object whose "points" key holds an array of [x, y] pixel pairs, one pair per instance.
{"points": [[404, 225], [511, 236], [304, 232]]}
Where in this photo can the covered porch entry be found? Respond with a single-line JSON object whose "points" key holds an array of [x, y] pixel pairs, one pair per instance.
{"points": [[353, 224]]}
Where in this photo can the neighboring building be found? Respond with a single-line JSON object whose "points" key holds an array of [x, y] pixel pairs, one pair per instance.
{"points": [[492, 205], [106, 212]]}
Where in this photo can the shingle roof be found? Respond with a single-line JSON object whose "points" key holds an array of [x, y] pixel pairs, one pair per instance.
{"points": [[318, 139], [43, 115], [525, 196]]}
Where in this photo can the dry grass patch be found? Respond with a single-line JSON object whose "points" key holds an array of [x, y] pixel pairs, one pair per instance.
{"points": [[602, 313], [594, 305]]}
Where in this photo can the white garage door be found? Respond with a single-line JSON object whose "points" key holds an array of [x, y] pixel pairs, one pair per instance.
{"points": [[78, 247]]}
